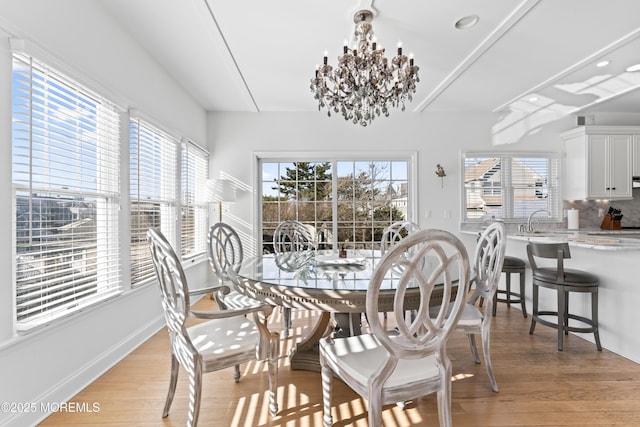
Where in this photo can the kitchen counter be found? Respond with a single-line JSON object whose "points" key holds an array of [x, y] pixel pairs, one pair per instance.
{"points": [[602, 240], [596, 239]]}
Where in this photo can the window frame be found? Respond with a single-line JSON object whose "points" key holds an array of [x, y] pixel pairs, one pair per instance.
{"points": [[68, 148], [410, 157], [194, 199], [160, 150], [554, 202]]}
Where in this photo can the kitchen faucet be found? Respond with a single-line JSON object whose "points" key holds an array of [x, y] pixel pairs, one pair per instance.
{"points": [[530, 219]]}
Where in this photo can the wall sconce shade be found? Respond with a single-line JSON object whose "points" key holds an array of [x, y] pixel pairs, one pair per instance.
{"points": [[221, 190]]}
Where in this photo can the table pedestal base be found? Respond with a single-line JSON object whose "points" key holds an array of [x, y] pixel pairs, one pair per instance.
{"points": [[306, 355]]}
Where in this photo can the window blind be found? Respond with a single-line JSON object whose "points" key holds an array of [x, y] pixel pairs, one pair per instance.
{"points": [[194, 171], [511, 186], [153, 164], [65, 172]]}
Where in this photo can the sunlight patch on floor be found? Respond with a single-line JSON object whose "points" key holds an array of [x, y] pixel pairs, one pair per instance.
{"points": [[461, 376]]}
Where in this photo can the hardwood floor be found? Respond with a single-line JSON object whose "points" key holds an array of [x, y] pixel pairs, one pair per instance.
{"points": [[539, 386]]}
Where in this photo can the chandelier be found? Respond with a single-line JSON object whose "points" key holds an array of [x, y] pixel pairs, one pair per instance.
{"points": [[365, 84]]}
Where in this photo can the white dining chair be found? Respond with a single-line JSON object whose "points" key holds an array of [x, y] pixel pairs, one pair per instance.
{"points": [[386, 369], [292, 236], [227, 337], [225, 253], [395, 232], [487, 267]]}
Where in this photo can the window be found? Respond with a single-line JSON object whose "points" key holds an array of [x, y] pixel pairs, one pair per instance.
{"points": [[153, 172], [510, 186], [194, 171], [65, 172], [347, 201]]}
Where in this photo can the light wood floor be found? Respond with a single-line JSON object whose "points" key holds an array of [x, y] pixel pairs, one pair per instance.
{"points": [[539, 386]]}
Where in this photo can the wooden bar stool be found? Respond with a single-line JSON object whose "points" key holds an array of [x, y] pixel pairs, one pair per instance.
{"points": [[563, 281], [512, 265]]}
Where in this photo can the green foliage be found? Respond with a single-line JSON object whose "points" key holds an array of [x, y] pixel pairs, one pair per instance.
{"points": [[308, 181]]}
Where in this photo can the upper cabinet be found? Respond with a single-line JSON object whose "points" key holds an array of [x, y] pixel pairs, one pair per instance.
{"points": [[599, 162], [636, 156]]}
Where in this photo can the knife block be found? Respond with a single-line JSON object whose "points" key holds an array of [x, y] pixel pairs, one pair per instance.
{"points": [[608, 224]]}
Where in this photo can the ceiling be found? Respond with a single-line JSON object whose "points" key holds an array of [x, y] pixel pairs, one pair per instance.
{"points": [[528, 60]]}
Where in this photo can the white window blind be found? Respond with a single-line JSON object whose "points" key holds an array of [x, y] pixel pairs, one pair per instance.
{"points": [[194, 171], [66, 177], [153, 165], [511, 186]]}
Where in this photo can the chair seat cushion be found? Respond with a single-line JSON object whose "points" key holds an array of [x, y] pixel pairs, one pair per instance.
{"points": [[227, 336], [513, 262], [470, 317], [571, 277], [359, 356]]}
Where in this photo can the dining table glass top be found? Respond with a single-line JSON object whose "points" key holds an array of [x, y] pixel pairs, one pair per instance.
{"points": [[321, 270]]}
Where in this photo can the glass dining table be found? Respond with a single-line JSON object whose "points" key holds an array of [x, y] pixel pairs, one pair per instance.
{"points": [[322, 281]]}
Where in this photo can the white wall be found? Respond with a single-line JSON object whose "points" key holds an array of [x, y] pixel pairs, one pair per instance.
{"points": [[54, 363]]}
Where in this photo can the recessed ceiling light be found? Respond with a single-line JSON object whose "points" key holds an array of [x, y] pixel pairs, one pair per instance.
{"points": [[603, 64], [467, 22], [633, 68]]}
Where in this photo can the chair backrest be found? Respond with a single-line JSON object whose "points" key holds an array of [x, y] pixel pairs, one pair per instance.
{"points": [[559, 251], [225, 250], [488, 260], [173, 286], [437, 261], [394, 233], [292, 236]]}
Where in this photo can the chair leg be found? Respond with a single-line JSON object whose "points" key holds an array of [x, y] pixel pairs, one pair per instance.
{"points": [[173, 381], [508, 282], [274, 351], [195, 390], [594, 318], [495, 303], [474, 348], [486, 352], [535, 309], [561, 317], [286, 314], [236, 373], [355, 324], [522, 294], [566, 313], [375, 408], [327, 385], [444, 399]]}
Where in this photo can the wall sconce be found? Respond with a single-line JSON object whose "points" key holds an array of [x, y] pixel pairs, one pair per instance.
{"points": [[440, 172]]}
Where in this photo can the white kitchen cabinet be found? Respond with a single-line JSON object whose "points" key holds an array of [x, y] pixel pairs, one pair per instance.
{"points": [[599, 162], [636, 156]]}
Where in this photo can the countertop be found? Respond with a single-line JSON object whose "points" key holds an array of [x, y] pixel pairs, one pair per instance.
{"points": [[597, 239]]}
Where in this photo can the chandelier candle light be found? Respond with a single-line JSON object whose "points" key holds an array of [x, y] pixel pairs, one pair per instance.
{"points": [[365, 84]]}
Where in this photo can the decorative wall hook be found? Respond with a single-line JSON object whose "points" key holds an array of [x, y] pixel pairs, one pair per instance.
{"points": [[440, 172]]}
